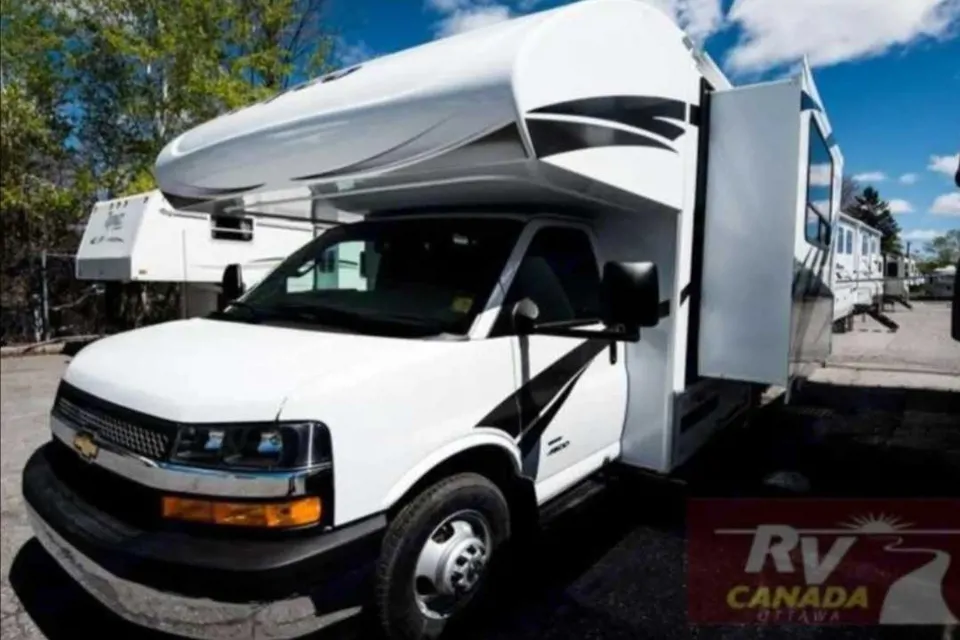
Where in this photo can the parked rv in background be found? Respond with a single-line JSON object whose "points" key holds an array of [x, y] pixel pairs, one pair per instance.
{"points": [[142, 238], [955, 315], [941, 282], [857, 270]]}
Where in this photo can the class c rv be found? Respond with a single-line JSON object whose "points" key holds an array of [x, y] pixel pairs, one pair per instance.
{"points": [[579, 250]]}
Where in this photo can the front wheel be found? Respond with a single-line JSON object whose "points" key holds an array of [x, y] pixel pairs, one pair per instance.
{"points": [[436, 556]]}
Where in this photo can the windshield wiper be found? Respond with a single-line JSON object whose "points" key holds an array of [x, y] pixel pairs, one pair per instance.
{"points": [[344, 318], [255, 314]]}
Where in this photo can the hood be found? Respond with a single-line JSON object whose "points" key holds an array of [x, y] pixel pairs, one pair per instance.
{"points": [[202, 370]]}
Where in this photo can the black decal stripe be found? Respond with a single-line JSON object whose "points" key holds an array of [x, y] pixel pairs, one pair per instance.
{"points": [[694, 116], [808, 103], [518, 410], [550, 137], [639, 112], [532, 435]]}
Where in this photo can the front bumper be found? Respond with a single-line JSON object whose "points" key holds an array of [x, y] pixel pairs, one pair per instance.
{"points": [[201, 586]]}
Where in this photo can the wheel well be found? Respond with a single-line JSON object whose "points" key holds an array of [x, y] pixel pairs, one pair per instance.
{"points": [[491, 462]]}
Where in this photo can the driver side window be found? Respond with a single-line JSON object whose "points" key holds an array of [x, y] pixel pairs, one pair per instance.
{"points": [[559, 273]]}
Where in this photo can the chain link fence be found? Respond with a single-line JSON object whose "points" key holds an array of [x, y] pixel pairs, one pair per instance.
{"points": [[42, 300]]}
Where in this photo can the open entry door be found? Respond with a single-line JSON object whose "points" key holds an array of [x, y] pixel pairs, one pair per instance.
{"points": [[772, 196]]}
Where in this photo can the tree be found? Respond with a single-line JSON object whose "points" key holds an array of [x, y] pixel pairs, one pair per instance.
{"points": [[93, 90], [144, 71], [848, 192], [944, 250], [869, 208]]}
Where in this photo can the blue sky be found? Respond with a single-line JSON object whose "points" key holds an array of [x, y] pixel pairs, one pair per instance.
{"points": [[888, 71]]}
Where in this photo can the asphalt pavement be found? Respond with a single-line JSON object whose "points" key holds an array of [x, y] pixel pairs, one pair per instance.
{"points": [[615, 567]]}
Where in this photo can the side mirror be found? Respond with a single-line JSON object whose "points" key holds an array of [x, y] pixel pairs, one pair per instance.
{"points": [[232, 284], [630, 295], [955, 309], [524, 316]]}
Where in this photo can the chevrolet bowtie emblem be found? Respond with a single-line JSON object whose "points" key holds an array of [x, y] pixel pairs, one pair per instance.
{"points": [[85, 446]]}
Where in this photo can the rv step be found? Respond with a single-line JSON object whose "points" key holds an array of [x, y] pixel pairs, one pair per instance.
{"points": [[883, 319], [902, 301], [571, 499]]}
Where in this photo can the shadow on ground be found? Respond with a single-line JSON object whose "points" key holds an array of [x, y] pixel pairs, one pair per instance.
{"points": [[615, 567]]}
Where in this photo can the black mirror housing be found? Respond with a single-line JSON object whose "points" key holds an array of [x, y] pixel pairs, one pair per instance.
{"points": [[630, 295], [231, 285]]}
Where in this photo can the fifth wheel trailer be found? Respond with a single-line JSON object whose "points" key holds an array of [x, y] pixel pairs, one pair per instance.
{"points": [[566, 266], [858, 274], [142, 238]]}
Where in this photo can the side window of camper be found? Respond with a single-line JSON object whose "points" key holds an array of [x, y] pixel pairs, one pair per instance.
{"points": [[819, 188], [560, 274], [849, 241], [235, 228], [864, 245]]}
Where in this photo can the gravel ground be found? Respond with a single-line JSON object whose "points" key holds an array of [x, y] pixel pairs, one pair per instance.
{"points": [[923, 342], [603, 571]]}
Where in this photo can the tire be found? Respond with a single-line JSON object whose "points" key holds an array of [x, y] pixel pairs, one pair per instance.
{"points": [[465, 497]]}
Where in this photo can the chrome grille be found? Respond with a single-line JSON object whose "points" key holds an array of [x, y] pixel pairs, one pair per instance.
{"points": [[145, 441]]}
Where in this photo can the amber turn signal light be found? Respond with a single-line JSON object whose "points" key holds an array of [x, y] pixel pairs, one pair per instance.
{"points": [[271, 515]]}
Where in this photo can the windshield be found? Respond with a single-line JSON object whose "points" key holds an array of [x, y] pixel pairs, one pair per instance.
{"points": [[408, 277]]}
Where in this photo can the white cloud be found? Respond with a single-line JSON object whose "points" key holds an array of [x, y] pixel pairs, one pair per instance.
{"points": [[832, 31], [461, 16], [820, 174], [900, 206], [944, 164], [528, 5], [946, 205], [870, 176], [699, 18], [920, 235], [908, 178], [351, 53]]}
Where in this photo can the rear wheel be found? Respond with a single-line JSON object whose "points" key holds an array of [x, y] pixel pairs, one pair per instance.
{"points": [[436, 556]]}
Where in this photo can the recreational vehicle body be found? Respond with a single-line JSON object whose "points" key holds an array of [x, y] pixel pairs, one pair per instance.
{"points": [[562, 269], [857, 283], [143, 238]]}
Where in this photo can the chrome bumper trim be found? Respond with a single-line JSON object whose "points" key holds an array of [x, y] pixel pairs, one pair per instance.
{"points": [[190, 617], [176, 478]]}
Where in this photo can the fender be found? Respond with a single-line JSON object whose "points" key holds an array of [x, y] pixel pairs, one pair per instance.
{"points": [[476, 438]]}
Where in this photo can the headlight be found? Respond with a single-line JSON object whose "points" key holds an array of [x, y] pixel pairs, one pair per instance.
{"points": [[272, 446]]}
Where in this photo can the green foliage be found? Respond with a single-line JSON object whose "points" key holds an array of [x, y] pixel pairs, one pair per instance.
{"points": [[944, 250], [146, 70], [93, 89], [869, 208]]}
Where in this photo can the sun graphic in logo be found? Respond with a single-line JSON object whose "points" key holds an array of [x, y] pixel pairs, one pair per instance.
{"points": [[877, 523]]}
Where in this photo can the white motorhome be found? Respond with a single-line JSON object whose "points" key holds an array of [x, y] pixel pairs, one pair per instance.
{"points": [[857, 283], [941, 282], [142, 238], [565, 267]]}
